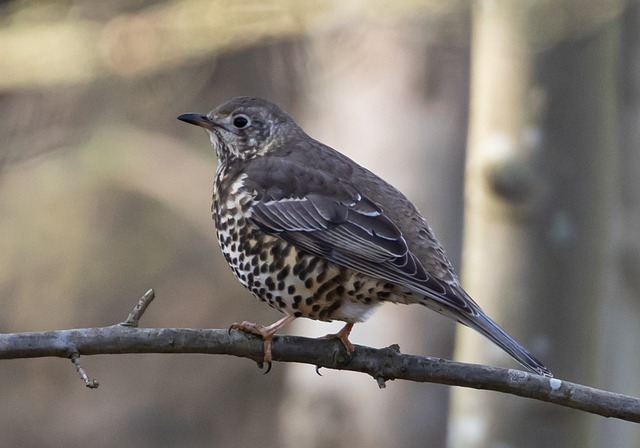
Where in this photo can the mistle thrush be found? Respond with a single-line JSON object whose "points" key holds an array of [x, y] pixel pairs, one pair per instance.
{"points": [[315, 235]]}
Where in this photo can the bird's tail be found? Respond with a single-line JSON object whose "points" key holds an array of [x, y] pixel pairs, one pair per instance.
{"points": [[484, 325], [456, 304]]}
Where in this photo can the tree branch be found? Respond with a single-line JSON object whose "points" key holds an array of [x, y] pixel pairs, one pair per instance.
{"points": [[382, 364]]}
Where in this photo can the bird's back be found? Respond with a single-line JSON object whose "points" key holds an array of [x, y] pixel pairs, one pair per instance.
{"points": [[395, 205]]}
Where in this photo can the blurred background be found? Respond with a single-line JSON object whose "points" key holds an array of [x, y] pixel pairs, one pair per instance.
{"points": [[513, 127]]}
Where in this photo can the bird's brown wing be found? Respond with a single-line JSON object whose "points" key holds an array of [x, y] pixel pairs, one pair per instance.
{"points": [[351, 230]]}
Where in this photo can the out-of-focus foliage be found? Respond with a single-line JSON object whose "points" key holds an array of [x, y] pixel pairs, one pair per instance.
{"points": [[45, 43]]}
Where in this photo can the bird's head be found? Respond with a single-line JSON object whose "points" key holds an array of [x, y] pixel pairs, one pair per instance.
{"points": [[244, 127]]}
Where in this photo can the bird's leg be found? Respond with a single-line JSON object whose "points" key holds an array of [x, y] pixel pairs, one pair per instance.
{"points": [[265, 332], [343, 336]]}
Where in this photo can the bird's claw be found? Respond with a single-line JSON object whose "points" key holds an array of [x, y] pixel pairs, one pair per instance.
{"points": [[264, 333], [247, 327], [261, 366], [343, 336]]}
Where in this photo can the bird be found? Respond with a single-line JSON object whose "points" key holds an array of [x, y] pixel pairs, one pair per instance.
{"points": [[313, 234]]}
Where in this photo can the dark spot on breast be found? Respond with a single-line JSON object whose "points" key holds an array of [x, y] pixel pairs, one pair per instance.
{"points": [[296, 268], [254, 250], [334, 306], [284, 272], [274, 251], [277, 265], [325, 313], [312, 263], [324, 287]]}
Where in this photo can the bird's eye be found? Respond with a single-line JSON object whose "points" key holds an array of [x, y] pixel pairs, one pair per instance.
{"points": [[241, 121]]}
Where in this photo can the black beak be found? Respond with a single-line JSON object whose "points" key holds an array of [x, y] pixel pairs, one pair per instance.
{"points": [[199, 120]]}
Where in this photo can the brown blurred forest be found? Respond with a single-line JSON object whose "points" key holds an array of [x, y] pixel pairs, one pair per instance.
{"points": [[104, 194]]}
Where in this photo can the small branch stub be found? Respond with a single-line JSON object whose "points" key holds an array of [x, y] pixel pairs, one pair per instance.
{"points": [[90, 383], [133, 319]]}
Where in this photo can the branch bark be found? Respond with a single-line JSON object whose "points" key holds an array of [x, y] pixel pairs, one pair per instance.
{"points": [[382, 364]]}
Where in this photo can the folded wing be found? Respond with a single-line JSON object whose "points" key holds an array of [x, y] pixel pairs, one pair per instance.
{"points": [[353, 231]]}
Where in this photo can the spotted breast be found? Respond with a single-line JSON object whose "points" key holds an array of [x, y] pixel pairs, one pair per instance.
{"points": [[289, 279]]}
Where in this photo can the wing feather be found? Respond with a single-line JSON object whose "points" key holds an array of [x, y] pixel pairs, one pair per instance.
{"points": [[355, 234], [317, 212]]}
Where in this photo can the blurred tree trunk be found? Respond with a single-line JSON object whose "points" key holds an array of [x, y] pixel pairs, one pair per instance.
{"points": [[621, 348], [540, 189], [397, 106]]}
